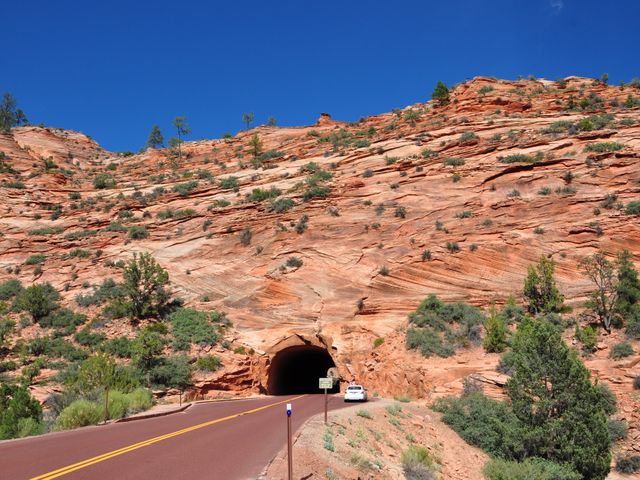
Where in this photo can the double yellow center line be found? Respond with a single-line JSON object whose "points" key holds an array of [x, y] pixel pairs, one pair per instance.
{"points": [[106, 456]]}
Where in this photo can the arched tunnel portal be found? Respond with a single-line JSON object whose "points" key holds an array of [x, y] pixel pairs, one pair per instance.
{"points": [[296, 369]]}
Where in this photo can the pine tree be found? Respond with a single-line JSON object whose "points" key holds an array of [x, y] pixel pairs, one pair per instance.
{"points": [[540, 288], [156, 140], [441, 93], [10, 115], [272, 122], [182, 129], [247, 118], [560, 410]]}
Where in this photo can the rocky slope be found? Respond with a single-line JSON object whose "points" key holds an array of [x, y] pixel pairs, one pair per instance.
{"points": [[424, 178]]}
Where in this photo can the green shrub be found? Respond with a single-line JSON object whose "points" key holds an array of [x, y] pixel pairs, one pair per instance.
{"points": [[230, 183], [633, 208], [294, 262], [118, 404], [63, 319], [183, 189], [316, 192], [115, 227], [209, 363], [603, 147], [104, 180], [468, 136], [118, 346], [378, 342], [138, 232], [529, 469], [617, 430], [364, 414], [558, 127], [192, 326], [80, 234], [621, 350], [20, 413], [46, 231], [454, 161], [440, 328], [108, 290], [628, 463], [39, 299], [418, 464], [588, 337], [139, 400], [87, 338], [495, 339], [521, 158], [260, 195], [79, 414], [36, 259], [10, 289], [483, 422], [171, 372], [281, 205], [79, 253]]}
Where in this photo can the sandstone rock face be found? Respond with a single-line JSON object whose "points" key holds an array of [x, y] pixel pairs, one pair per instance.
{"points": [[394, 193]]}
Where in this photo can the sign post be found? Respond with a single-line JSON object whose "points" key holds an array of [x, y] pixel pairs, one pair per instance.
{"points": [[289, 459], [325, 383]]}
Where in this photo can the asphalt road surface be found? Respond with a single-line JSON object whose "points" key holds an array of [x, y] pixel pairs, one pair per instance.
{"points": [[218, 440]]}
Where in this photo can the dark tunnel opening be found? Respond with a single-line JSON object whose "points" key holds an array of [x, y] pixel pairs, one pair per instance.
{"points": [[296, 370]]}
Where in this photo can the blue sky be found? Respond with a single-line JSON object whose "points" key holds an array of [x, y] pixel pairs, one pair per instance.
{"points": [[112, 69]]}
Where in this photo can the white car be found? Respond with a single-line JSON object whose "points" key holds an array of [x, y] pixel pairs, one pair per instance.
{"points": [[355, 393]]}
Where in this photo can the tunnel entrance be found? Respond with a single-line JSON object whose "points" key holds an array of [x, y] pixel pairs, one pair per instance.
{"points": [[295, 370]]}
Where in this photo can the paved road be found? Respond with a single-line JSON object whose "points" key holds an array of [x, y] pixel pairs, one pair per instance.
{"points": [[221, 440]]}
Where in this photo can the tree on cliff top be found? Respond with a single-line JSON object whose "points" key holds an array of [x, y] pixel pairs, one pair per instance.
{"points": [[441, 93], [10, 115], [156, 140]]}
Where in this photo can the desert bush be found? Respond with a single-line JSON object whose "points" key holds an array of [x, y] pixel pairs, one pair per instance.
{"points": [[454, 161], [209, 363], [495, 339], [20, 413], [632, 208], [315, 192], [171, 372], [603, 147], [39, 299], [418, 464], [107, 290], [617, 430], [79, 414], [184, 189], [521, 158], [10, 288], [64, 319], [260, 195], [294, 262], [144, 285], [529, 469], [281, 205], [190, 326], [138, 232], [621, 350], [87, 338], [119, 347], [104, 180], [36, 259], [77, 235], [628, 463], [439, 328], [230, 183], [468, 136]]}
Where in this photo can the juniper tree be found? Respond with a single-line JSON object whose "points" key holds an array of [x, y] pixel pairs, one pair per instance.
{"points": [[560, 411], [256, 145], [628, 284], [145, 284], [272, 122], [98, 372], [540, 288], [603, 300]]}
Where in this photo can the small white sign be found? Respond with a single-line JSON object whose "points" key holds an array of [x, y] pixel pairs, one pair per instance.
{"points": [[288, 407], [325, 383]]}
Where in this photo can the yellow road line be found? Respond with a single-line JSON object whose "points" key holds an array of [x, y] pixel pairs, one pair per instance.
{"points": [[105, 456]]}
